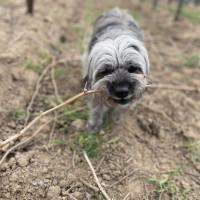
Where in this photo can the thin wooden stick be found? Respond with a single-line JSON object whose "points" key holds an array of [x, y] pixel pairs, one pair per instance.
{"points": [[173, 87], [95, 177], [23, 142], [89, 185], [126, 197], [177, 125], [73, 160], [37, 87], [57, 96], [100, 163], [120, 180], [53, 80], [46, 113], [71, 196]]}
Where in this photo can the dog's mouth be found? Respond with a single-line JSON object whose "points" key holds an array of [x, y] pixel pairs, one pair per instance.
{"points": [[121, 101]]}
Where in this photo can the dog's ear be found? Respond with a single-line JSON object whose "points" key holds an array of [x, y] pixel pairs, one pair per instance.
{"points": [[86, 82], [149, 82]]}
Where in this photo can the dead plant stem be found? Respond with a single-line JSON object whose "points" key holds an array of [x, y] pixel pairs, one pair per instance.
{"points": [[46, 113], [23, 142], [173, 87], [37, 90], [95, 177]]}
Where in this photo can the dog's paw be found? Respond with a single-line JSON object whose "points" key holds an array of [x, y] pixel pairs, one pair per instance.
{"points": [[92, 127]]}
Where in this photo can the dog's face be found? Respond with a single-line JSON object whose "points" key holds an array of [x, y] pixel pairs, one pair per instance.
{"points": [[120, 69]]}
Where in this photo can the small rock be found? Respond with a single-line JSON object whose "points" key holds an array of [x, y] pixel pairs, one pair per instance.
{"points": [[53, 192], [77, 195], [63, 183], [198, 166], [14, 177], [16, 75], [78, 184], [78, 124], [106, 177], [117, 173], [55, 182], [189, 134], [38, 183], [44, 170], [103, 184], [112, 166], [4, 167], [71, 178], [12, 161], [11, 124], [87, 196], [23, 160], [102, 132]]}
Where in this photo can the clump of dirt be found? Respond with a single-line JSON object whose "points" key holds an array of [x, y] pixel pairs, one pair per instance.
{"points": [[131, 157]]}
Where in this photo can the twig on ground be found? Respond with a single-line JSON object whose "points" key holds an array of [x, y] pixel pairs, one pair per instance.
{"points": [[123, 178], [16, 39], [173, 87], [188, 45], [89, 185], [52, 129], [116, 164], [95, 176], [46, 113], [100, 163], [23, 142], [53, 80], [8, 16], [124, 170], [71, 196], [56, 94], [37, 90], [177, 125], [126, 197], [73, 159]]}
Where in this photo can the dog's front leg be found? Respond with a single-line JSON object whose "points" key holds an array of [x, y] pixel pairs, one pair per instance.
{"points": [[118, 113], [96, 113]]}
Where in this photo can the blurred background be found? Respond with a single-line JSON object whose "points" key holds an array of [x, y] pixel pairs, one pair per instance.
{"points": [[156, 147]]}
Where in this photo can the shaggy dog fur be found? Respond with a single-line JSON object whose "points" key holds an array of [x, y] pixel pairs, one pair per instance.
{"points": [[116, 62]]}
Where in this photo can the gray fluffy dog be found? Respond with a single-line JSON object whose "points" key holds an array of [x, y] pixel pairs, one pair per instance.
{"points": [[117, 63]]}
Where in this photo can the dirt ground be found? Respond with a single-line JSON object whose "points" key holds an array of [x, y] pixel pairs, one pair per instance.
{"points": [[156, 139]]}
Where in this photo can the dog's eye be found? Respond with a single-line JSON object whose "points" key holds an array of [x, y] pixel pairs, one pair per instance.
{"points": [[135, 70], [105, 73]]}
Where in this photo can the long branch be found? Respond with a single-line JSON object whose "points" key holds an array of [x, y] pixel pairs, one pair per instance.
{"points": [[173, 87], [95, 177], [46, 113]]}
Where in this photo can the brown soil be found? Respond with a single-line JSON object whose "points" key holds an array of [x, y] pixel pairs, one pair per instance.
{"points": [[145, 143]]}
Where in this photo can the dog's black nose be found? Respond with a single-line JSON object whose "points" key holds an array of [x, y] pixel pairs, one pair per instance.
{"points": [[121, 92]]}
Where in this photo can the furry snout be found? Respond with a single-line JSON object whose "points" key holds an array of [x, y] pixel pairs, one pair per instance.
{"points": [[124, 92], [120, 90]]}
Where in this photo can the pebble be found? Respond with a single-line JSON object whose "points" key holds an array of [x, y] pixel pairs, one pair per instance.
{"points": [[77, 194], [53, 192], [71, 178], [63, 183], [78, 124], [106, 177], [23, 160]]}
